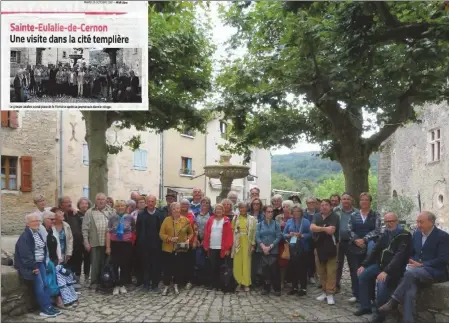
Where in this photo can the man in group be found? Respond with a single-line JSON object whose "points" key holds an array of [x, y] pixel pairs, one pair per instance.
{"points": [[134, 196], [149, 245], [195, 204], [233, 196], [169, 199], [310, 212], [344, 212], [385, 264], [94, 228], [325, 229], [427, 265], [335, 200]]}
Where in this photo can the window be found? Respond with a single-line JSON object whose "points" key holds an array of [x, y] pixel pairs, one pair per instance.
{"points": [[186, 166], [15, 57], [435, 145], [64, 54], [188, 133], [85, 155], [9, 173], [223, 129], [140, 159], [86, 191], [10, 119]]}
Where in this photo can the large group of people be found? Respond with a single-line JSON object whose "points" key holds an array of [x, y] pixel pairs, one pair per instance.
{"points": [[279, 247], [102, 83]]}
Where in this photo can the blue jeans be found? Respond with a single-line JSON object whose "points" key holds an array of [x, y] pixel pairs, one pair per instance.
{"points": [[41, 288], [355, 261], [407, 289], [366, 281]]}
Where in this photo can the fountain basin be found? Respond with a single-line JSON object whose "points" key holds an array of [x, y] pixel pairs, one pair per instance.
{"points": [[227, 171]]}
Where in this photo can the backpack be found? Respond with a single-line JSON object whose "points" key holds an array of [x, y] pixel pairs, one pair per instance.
{"points": [[51, 280], [107, 277]]}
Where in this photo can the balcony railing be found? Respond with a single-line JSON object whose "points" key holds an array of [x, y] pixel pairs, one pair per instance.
{"points": [[187, 172]]}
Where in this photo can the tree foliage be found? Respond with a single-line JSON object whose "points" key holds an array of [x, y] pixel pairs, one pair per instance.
{"points": [[331, 71], [403, 206], [336, 184], [179, 68]]}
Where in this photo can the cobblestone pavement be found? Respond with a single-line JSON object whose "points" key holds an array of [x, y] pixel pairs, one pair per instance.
{"points": [[199, 305]]}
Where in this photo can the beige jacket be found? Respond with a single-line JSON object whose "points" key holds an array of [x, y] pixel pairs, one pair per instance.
{"points": [[251, 226], [68, 239]]}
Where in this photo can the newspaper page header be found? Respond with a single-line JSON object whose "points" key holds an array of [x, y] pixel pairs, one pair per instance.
{"points": [[86, 55]]}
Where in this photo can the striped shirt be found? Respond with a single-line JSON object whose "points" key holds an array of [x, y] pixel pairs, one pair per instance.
{"points": [[39, 251]]}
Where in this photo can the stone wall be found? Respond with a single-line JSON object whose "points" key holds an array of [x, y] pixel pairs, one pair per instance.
{"points": [[384, 191], [406, 166], [17, 295], [36, 137]]}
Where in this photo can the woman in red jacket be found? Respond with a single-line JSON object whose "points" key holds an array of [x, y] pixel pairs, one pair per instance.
{"points": [[217, 243]]}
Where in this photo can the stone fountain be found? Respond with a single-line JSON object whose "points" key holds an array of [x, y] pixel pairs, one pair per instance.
{"points": [[226, 173]]}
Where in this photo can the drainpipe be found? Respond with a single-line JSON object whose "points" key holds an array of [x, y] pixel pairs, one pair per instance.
{"points": [[161, 168], [205, 160], [61, 153]]}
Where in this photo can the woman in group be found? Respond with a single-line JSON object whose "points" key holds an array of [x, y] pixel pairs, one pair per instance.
{"points": [[276, 201], [268, 235], [64, 234], [282, 219], [119, 235], [228, 208], [217, 243], [189, 271], [29, 259], [297, 233], [256, 210], [67, 294], [244, 229], [176, 233], [110, 202], [201, 220]]}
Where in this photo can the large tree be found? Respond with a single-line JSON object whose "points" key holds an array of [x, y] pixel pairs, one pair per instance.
{"points": [[179, 69], [330, 72]]}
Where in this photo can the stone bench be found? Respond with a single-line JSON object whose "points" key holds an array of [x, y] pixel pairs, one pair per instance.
{"points": [[17, 294], [432, 303]]}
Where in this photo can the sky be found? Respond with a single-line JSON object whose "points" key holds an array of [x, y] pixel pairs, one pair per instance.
{"points": [[220, 34]]}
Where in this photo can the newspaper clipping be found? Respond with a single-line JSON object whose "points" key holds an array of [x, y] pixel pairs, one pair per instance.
{"points": [[86, 55]]}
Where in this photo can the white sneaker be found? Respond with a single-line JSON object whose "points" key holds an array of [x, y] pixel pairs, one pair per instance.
{"points": [[330, 300], [312, 280], [352, 300], [188, 286], [123, 290], [175, 287], [322, 297], [116, 291]]}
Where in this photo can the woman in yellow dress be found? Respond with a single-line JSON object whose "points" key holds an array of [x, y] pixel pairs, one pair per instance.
{"points": [[244, 228]]}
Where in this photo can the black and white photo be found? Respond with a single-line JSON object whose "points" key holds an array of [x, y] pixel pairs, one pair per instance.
{"points": [[76, 75]]}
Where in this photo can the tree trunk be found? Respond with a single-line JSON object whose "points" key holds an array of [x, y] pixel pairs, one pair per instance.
{"points": [[355, 163], [96, 126]]}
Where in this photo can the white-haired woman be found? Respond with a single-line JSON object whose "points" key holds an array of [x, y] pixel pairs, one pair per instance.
{"points": [[228, 208], [244, 228], [276, 201], [282, 219], [176, 232], [30, 261]]}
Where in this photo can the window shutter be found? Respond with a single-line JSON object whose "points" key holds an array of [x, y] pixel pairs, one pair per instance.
{"points": [[26, 168], [136, 159], [85, 154], [143, 154], [189, 163], [13, 119], [5, 119]]}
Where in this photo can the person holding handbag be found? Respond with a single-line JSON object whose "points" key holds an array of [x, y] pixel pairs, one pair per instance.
{"points": [[176, 233], [217, 243], [268, 235], [297, 234]]}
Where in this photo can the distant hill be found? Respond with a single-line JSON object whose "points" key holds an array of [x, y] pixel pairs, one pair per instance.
{"points": [[308, 166]]}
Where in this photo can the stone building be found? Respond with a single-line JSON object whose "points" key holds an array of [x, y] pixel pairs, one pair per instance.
{"points": [[28, 164], [131, 58], [24, 57], [415, 159]]}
